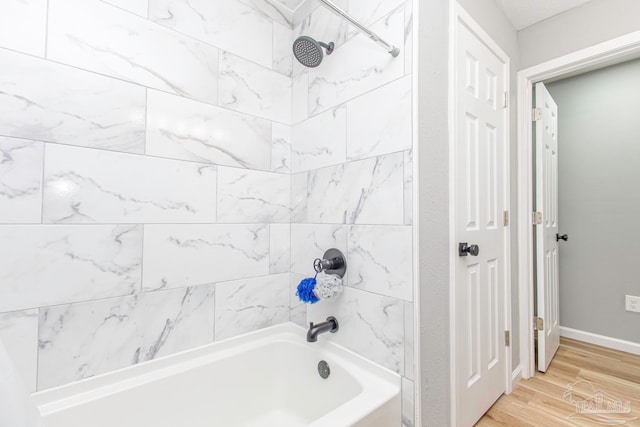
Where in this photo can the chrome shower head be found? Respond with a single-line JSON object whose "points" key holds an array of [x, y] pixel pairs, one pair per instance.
{"points": [[309, 52]]}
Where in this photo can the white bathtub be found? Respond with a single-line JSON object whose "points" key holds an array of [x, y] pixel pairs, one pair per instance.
{"points": [[268, 378]]}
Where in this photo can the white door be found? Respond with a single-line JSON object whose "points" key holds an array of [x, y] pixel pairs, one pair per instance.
{"points": [[480, 200], [546, 132]]}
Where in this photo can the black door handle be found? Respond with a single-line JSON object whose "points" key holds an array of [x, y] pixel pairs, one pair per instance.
{"points": [[465, 249], [564, 237]]}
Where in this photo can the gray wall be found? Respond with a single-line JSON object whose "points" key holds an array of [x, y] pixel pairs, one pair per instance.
{"points": [[587, 25], [433, 200], [599, 159]]}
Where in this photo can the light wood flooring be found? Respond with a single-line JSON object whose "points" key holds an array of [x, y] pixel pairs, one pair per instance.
{"points": [[546, 400]]}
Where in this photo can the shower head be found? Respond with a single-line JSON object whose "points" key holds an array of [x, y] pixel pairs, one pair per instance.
{"points": [[309, 52]]}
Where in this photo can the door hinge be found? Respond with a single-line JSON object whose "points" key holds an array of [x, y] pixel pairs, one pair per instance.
{"points": [[537, 218], [538, 324], [507, 338], [536, 114], [505, 102], [505, 218]]}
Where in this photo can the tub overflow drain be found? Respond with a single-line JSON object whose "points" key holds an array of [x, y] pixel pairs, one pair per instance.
{"points": [[323, 369]]}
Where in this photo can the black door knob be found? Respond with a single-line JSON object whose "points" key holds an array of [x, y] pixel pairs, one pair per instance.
{"points": [[564, 237], [465, 249]]}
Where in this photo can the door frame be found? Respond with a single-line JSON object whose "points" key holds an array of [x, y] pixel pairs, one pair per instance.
{"points": [[610, 52], [458, 13]]}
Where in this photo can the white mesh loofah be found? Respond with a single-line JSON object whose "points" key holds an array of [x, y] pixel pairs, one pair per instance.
{"points": [[328, 286]]}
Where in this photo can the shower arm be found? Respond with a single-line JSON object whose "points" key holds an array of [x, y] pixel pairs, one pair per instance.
{"points": [[393, 51]]}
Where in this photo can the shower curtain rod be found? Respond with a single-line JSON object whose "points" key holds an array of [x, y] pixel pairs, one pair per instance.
{"points": [[394, 51]]}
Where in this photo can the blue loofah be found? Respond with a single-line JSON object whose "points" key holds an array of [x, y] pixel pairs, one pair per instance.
{"points": [[305, 291]]}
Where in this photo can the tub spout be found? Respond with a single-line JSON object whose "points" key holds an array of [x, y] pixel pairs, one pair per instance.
{"points": [[331, 325]]}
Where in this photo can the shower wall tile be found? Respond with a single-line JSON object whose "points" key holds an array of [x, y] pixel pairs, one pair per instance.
{"points": [[46, 265], [364, 192], [19, 334], [279, 248], [320, 141], [252, 89], [380, 260], [380, 121], [69, 106], [227, 24], [408, 187], [23, 25], [247, 305], [139, 7], [370, 324], [370, 11], [408, 37], [21, 163], [185, 129], [81, 340], [273, 10], [282, 52], [300, 96], [298, 309], [409, 329], [203, 253], [281, 148], [83, 186], [408, 403], [96, 36], [299, 197], [253, 196], [357, 67], [310, 241]]}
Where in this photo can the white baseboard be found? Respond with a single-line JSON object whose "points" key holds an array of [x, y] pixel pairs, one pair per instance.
{"points": [[516, 376], [601, 340]]}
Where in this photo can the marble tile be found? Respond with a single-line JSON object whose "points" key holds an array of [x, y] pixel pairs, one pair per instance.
{"points": [[84, 185], [370, 11], [327, 195], [21, 163], [310, 241], [408, 38], [300, 96], [139, 7], [69, 106], [247, 305], [363, 192], [380, 260], [81, 340], [320, 141], [252, 89], [272, 9], [408, 403], [203, 253], [357, 67], [380, 121], [298, 309], [227, 24], [279, 248], [299, 197], [370, 324], [19, 334], [45, 265], [185, 129], [282, 50], [409, 319], [281, 148], [408, 187], [17, 408], [23, 25], [253, 196], [96, 36]]}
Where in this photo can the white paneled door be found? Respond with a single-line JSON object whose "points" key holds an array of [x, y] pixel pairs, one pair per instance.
{"points": [[480, 224], [546, 134]]}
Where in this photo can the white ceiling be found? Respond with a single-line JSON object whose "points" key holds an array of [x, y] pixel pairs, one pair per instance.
{"points": [[523, 13]]}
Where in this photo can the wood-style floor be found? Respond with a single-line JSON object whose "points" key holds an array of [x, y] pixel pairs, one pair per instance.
{"points": [[549, 400]]}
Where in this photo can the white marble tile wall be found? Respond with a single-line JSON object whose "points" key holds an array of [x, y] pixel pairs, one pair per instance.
{"points": [[352, 183], [145, 159]]}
